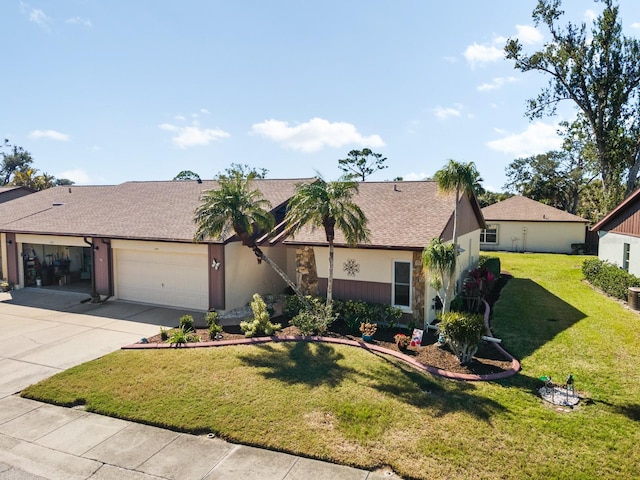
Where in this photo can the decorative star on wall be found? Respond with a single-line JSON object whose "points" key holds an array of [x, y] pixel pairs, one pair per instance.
{"points": [[351, 267]]}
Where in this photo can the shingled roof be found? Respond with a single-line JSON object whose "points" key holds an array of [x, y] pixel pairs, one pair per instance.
{"points": [[132, 210], [523, 209], [402, 215]]}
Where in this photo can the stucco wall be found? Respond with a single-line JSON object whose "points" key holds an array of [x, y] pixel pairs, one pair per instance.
{"points": [[372, 265], [552, 237], [244, 276], [611, 249]]}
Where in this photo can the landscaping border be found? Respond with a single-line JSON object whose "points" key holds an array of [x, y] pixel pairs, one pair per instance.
{"points": [[515, 364]]}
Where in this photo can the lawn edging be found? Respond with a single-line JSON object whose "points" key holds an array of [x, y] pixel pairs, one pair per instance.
{"points": [[515, 364]]}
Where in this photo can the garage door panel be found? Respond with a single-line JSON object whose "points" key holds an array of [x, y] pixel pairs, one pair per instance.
{"points": [[172, 279]]}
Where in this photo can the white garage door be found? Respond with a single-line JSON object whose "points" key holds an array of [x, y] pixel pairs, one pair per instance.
{"points": [[163, 278]]}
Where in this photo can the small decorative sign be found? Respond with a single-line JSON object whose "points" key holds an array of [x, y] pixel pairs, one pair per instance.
{"points": [[416, 337], [351, 267]]}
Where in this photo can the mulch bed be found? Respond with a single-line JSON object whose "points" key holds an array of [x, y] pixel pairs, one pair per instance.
{"points": [[487, 360]]}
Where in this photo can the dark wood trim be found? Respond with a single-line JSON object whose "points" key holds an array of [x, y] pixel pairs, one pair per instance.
{"points": [[216, 276]]}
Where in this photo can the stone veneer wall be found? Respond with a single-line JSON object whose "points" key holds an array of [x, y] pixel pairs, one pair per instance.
{"points": [[418, 288], [306, 272]]}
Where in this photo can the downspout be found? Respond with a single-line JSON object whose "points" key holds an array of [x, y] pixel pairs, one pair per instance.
{"points": [[95, 298]]}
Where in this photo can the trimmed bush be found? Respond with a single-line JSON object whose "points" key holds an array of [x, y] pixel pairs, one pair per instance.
{"points": [[609, 278], [463, 332], [314, 320]]}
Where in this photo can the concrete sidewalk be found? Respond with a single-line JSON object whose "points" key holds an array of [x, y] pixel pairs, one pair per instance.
{"points": [[44, 333]]}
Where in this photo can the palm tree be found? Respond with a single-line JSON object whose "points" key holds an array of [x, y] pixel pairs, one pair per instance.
{"points": [[328, 205], [439, 261], [459, 178], [234, 206]]}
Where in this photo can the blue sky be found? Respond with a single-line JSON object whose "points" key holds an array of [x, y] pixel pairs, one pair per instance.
{"points": [[103, 92]]}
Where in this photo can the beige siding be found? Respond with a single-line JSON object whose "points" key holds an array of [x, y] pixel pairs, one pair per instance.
{"points": [[244, 276], [555, 237]]}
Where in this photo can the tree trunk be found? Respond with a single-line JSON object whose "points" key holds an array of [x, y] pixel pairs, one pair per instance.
{"points": [[330, 276]]}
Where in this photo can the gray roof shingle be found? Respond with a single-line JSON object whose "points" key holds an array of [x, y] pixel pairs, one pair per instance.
{"points": [[403, 215], [523, 209], [136, 210]]}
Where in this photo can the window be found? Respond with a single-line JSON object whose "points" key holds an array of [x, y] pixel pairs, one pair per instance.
{"points": [[625, 257], [402, 284], [489, 234]]}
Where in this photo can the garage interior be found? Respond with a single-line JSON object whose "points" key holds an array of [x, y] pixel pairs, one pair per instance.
{"points": [[55, 266]]}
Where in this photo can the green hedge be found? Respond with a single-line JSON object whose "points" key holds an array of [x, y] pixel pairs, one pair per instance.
{"points": [[490, 263], [609, 278]]}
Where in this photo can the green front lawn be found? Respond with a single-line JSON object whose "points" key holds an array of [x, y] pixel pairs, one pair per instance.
{"points": [[350, 406]]}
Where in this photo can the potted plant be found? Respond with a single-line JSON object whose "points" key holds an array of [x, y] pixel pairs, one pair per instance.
{"points": [[368, 330], [402, 341], [5, 286]]}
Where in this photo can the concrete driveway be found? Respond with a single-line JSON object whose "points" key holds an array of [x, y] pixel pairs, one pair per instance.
{"points": [[46, 332]]}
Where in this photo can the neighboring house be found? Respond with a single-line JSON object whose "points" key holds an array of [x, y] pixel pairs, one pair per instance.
{"points": [[619, 235], [8, 193], [134, 242], [12, 192], [519, 224]]}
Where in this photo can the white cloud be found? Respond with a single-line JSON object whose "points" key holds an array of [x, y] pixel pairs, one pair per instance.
{"points": [[635, 25], [528, 35], [50, 134], [479, 54], [415, 176], [79, 21], [538, 138], [36, 15], [204, 111], [444, 113], [495, 84], [76, 175], [193, 135], [590, 15], [315, 134]]}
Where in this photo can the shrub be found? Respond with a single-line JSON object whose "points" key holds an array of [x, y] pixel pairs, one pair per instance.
{"points": [[211, 318], [490, 263], [164, 334], [212, 322], [315, 319], [355, 312], [609, 278], [591, 268], [388, 314], [293, 305], [462, 331], [261, 322], [214, 331], [186, 323]]}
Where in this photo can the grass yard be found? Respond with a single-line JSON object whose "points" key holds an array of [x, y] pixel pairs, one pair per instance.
{"points": [[353, 407]]}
